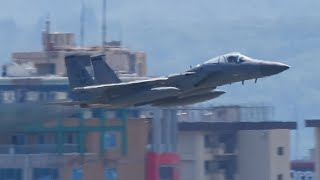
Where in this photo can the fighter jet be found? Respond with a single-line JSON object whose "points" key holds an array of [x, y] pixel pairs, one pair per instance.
{"points": [[195, 85]]}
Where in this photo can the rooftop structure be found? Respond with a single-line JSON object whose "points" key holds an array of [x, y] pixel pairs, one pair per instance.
{"points": [[57, 45], [227, 113]]}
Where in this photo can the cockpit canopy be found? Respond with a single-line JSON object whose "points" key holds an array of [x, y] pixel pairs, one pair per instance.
{"points": [[229, 58]]}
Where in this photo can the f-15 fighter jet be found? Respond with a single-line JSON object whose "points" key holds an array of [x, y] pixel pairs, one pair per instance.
{"points": [[195, 85]]}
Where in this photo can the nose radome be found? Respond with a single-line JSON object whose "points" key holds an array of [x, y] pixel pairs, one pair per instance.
{"points": [[268, 69]]}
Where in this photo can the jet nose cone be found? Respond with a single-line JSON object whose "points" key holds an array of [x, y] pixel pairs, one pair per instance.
{"points": [[268, 69]]}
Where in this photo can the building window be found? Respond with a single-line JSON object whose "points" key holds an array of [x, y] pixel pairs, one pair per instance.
{"points": [[98, 113], [51, 96], [280, 151], [19, 139], [280, 177], [210, 167], [9, 97], [45, 173], [70, 138], [32, 96], [166, 172], [77, 174], [61, 95], [11, 173], [51, 138], [210, 141], [110, 174], [40, 139], [109, 141], [43, 96]]}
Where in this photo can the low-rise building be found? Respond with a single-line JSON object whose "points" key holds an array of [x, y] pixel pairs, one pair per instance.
{"points": [[77, 148], [235, 150], [57, 45]]}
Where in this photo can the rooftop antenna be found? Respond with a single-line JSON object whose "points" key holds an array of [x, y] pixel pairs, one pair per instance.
{"points": [[120, 34], [46, 44], [104, 23], [82, 21], [48, 24]]}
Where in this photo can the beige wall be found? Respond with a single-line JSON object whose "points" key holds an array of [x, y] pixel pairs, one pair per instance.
{"points": [[280, 164], [118, 59], [193, 154], [191, 150], [141, 63], [253, 160], [257, 154], [257, 157]]}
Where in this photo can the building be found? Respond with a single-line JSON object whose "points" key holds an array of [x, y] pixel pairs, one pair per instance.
{"points": [[77, 148], [44, 142], [57, 45], [101, 144], [230, 113], [315, 123], [302, 170], [234, 150]]}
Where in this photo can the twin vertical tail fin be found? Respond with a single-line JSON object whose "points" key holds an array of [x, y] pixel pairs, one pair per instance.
{"points": [[76, 70], [102, 72], [79, 75]]}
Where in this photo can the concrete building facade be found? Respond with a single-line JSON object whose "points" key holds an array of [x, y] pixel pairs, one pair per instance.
{"points": [[235, 150], [120, 59], [76, 149], [266, 152], [57, 45]]}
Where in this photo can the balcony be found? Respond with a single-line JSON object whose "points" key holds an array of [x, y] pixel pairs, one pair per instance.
{"points": [[37, 149]]}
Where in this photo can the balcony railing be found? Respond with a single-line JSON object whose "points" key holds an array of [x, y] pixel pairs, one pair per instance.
{"points": [[37, 148]]}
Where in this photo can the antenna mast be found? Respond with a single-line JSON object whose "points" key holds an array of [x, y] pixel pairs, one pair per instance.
{"points": [[104, 23], [82, 21]]}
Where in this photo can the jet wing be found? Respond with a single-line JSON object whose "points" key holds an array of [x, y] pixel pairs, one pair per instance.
{"points": [[65, 103], [78, 103], [120, 85]]}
